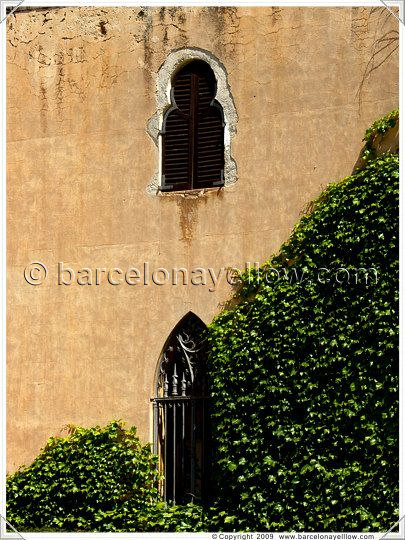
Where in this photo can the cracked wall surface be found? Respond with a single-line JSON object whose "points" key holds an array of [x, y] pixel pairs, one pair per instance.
{"points": [[81, 87]]}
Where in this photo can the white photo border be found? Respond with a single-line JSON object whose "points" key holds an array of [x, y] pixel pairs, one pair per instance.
{"points": [[7, 4]]}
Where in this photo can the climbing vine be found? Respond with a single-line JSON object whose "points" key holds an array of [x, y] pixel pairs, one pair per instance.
{"points": [[304, 371]]}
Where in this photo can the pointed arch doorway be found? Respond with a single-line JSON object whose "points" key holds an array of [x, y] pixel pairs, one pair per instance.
{"points": [[181, 417]]}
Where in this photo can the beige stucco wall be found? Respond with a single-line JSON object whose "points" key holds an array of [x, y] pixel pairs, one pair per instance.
{"points": [[81, 87]]}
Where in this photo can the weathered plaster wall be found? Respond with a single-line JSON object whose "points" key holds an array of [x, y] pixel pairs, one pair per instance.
{"points": [[81, 87]]}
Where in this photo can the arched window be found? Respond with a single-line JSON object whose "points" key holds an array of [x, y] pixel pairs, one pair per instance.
{"points": [[181, 414], [193, 131]]}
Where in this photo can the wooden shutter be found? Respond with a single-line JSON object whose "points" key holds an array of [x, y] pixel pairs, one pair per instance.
{"points": [[193, 132]]}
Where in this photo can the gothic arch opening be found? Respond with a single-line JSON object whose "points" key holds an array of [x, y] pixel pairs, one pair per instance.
{"points": [[181, 418]]}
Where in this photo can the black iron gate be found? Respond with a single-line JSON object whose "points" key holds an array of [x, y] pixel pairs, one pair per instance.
{"points": [[181, 415]]}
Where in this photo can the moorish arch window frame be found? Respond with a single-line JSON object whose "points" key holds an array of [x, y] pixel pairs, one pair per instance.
{"points": [[181, 414], [192, 134], [175, 62]]}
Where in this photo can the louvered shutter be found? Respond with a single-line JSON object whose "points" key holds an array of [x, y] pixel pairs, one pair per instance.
{"points": [[193, 132], [210, 149]]}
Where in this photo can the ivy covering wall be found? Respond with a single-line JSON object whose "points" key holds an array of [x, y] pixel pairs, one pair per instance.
{"points": [[304, 371], [95, 479], [304, 382]]}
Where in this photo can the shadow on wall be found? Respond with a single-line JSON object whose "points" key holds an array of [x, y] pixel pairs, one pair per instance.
{"points": [[382, 143]]}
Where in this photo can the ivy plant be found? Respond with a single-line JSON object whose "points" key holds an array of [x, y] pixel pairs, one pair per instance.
{"points": [[304, 371], [379, 127]]}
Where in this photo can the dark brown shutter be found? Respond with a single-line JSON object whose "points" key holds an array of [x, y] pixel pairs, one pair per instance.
{"points": [[193, 132]]}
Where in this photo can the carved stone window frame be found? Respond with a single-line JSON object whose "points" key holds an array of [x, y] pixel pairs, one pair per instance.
{"points": [[181, 417], [174, 61]]}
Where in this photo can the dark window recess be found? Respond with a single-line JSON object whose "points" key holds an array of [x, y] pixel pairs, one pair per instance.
{"points": [[182, 434], [193, 132]]}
